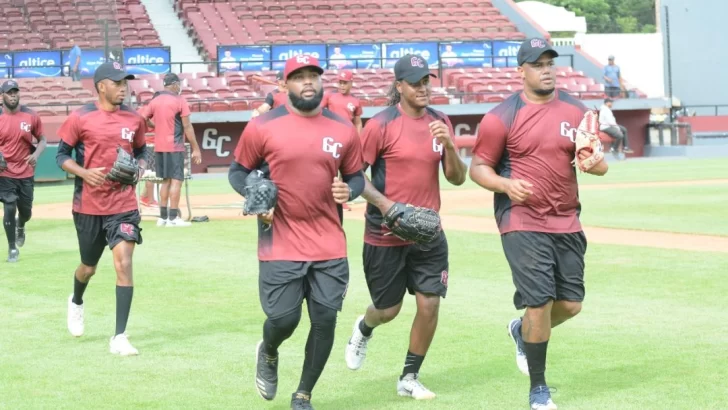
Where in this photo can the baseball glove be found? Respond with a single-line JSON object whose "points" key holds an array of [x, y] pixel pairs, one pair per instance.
{"points": [[261, 194], [414, 223], [587, 139], [125, 170], [3, 163]]}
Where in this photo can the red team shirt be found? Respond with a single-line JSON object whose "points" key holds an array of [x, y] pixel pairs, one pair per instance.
{"points": [[17, 131], [276, 98], [304, 155], [534, 142], [166, 111], [346, 106], [95, 134], [405, 160]]}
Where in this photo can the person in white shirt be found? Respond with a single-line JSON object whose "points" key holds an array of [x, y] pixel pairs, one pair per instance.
{"points": [[608, 125]]}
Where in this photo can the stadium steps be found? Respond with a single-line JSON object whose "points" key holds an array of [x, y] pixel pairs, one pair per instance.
{"points": [[173, 35]]}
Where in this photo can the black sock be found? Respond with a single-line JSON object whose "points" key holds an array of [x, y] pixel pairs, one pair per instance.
{"points": [[9, 223], [21, 222], [412, 364], [364, 329], [172, 214], [277, 330], [319, 344], [536, 356], [123, 306], [78, 289], [163, 212]]}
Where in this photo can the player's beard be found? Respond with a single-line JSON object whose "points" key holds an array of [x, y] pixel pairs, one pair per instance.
{"points": [[304, 105], [544, 92], [9, 105]]}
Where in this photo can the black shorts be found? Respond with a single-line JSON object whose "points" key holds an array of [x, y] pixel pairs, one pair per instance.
{"points": [[390, 270], [545, 266], [283, 284], [16, 190], [96, 231], [170, 165]]}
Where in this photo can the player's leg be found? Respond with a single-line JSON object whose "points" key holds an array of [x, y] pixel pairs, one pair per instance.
{"points": [[25, 209], [326, 284], [147, 196], [387, 283], [281, 289], [532, 258], [570, 251], [91, 244], [617, 137], [122, 234], [427, 272], [160, 164], [625, 140], [177, 159], [9, 223]]}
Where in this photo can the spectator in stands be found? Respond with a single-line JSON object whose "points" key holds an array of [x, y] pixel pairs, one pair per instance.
{"points": [[74, 57], [613, 83], [274, 98], [608, 125]]}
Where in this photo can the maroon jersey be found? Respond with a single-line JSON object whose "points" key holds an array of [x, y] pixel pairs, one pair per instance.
{"points": [[304, 155], [405, 160], [346, 106], [276, 98], [95, 134], [534, 142], [17, 131], [166, 111]]}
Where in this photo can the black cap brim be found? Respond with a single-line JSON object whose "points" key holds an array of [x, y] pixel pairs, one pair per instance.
{"points": [[122, 76], [10, 89], [533, 58], [415, 78]]}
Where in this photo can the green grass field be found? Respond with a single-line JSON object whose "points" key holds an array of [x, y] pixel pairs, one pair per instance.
{"points": [[653, 333]]}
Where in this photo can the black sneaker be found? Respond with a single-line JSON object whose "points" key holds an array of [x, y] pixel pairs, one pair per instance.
{"points": [[266, 373], [19, 235], [301, 401], [13, 255]]}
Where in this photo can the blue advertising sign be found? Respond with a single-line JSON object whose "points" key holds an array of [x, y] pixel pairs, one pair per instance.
{"points": [[281, 53], [90, 59], [505, 52], [243, 58], [147, 60], [6, 61], [394, 51], [36, 64], [466, 54], [343, 56]]}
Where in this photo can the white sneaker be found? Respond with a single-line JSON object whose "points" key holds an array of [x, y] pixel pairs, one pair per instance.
{"points": [[410, 386], [177, 222], [161, 222], [514, 331], [356, 349], [74, 318], [120, 345]]}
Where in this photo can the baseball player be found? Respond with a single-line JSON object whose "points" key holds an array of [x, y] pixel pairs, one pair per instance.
{"points": [[169, 114], [18, 157], [405, 144], [294, 265], [523, 153], [274, 98], [104, 212]]}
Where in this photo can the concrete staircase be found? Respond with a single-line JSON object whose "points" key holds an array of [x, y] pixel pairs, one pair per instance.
{"points": [[173, 35]]}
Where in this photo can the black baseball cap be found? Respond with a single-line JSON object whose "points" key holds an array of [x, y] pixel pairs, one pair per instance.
{"points": [[532, 49], [112, 70], [171, 78], [9, 85], [411, 68]]}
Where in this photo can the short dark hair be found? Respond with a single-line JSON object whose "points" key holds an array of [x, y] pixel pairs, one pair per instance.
{"points": [[608, 100]]}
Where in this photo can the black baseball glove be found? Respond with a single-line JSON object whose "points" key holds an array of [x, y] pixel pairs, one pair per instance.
{"points": [[125, 170], [3, 163], [414, 223], [261, 194]]}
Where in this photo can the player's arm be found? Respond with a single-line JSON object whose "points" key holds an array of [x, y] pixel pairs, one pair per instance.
{"points": [[372, 145], [357, 118], [32, 159], [352, 174], [70, 134], [247, 158], [265, 107], [139, 145], [454, 167], [190, 132]]}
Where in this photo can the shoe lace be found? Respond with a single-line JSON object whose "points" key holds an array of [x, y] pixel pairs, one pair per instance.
{"points": [[302, 400], [542, 393], [415, 383], [270, 360], [77, 312]]}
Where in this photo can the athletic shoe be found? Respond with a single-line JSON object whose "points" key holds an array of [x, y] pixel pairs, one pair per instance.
{"points": [[301, 401], [356, 349], [148, 203], [627, 150], [346, 206], [19, 234], [410, 386], [13, 255], [266, 374], [177, 223], [161, 222], [74, 318], [514, 331], [540, 398], [120, 345]]}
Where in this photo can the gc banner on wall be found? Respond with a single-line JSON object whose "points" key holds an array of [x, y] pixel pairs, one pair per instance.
{"points": [[505, 52], [466, 54], [354, 56], [281, 53], [147, 60], [90, 59], [393, 52], [36, 64], [243, 58]]}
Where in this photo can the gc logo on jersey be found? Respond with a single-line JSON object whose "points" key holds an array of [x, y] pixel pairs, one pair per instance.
{"points": [[127, 134], [332, 147], [351, 107], [24, 126], [436, 146], [568, 131]]}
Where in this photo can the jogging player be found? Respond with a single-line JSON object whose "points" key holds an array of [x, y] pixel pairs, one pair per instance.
{"points": [[342, 103], [273, 99]]}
